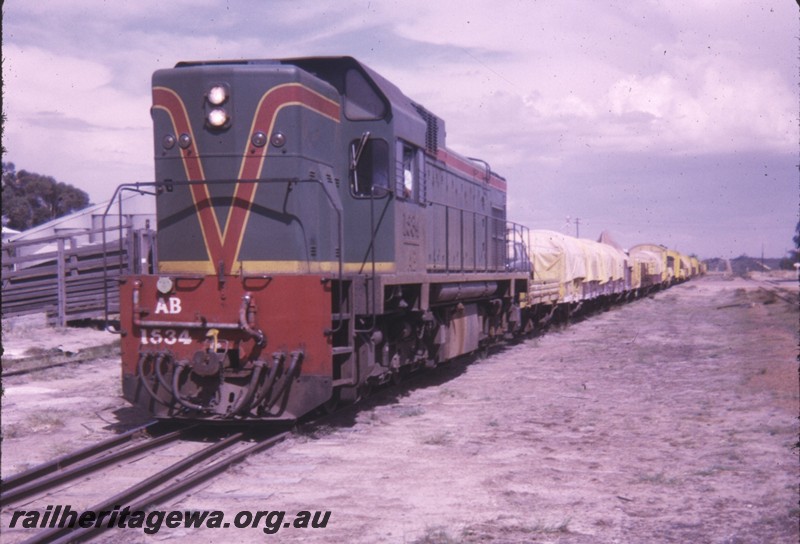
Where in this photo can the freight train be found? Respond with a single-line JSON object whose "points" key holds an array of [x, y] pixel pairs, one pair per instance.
{"points": [[316, 237]]}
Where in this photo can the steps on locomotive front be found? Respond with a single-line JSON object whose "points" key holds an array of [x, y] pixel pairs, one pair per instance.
{"points": [[343, 345], [343, 320], [342, 357]]}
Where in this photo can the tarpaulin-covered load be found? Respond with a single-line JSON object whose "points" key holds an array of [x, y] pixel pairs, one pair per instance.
{"points": [[574, 263], [559, 266], [606, 270], [556, 256], [654, 259], [610, 261], [673, 265], [695, 265], [685, 268], [648, 268], [620, 258]]}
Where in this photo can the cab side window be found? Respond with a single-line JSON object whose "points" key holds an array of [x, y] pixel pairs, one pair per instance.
{"points": [[408, 172], [408, 182], [369, 168]]}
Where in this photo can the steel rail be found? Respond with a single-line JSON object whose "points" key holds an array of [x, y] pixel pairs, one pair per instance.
{"points": [[776, 289], [50, 479], [16, 480], [138, 492], [32, 369], [779, 292]]}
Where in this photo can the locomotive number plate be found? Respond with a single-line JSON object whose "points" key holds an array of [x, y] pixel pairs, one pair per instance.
{"points": [[165, 336]]}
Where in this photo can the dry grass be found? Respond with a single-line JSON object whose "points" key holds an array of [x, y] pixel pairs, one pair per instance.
{"points": [[39, 422], [438, 438], [436, 535], [410, 411]]}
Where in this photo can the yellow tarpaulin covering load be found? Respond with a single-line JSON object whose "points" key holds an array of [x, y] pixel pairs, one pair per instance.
{"points": [[606, 263], [573, 262], [673, 265], [686, 267], [616, 256], [695, 265], [653, 257], [556, 257], [654, 261]]}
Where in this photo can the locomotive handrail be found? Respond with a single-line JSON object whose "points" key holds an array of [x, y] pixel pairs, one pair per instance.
{"points": [[487, 168], [371, 251], [133, 187]]}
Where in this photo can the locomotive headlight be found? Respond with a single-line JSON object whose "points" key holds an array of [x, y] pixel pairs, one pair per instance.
{"points": [[217, 95], [217, 117]]}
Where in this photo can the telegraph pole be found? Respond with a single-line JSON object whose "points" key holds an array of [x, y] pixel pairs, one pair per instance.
{"points": [[577, 226]]}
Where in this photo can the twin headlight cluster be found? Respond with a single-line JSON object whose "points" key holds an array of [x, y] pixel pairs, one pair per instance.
{"points": [[217, 115]]}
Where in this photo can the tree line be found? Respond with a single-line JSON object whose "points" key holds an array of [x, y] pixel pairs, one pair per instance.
{"points": [[30, 199]]}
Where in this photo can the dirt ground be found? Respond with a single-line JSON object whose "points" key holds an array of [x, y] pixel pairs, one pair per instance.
{"points": [[672, 419]]}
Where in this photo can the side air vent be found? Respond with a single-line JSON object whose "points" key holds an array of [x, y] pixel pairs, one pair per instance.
{"points": [[433, 131]]}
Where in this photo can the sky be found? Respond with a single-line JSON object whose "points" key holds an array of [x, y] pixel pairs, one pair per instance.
{"points": [[659, 122]]}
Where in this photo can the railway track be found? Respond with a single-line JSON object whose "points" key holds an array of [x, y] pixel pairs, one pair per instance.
{"points": [[48, 479], [782, 289], [56, 358]]}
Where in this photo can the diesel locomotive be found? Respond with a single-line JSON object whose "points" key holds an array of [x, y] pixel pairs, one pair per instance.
{"points": [[316, 236]]}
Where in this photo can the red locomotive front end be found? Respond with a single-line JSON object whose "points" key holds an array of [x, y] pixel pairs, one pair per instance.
{"points": [[227, 347]]}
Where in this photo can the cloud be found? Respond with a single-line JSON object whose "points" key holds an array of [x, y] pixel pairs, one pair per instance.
{"points": [[641, 78], [707, 112], [587, 108], [61, 108]]}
